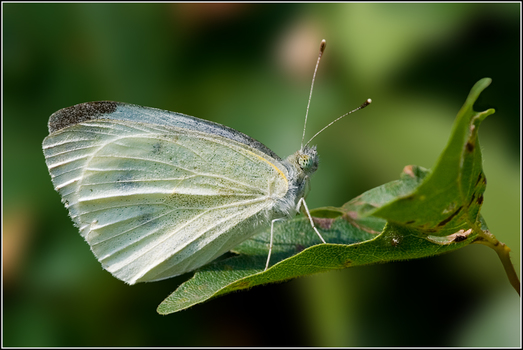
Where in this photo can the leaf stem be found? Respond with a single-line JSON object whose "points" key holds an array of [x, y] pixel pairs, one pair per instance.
{"points": [[488, 239]]}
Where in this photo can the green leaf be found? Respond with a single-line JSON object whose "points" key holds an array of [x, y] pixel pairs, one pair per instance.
{"points": [[451, 196], [422, 214]]}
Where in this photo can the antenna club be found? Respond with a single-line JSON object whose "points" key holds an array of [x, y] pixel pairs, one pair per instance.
{"points": [[366, 103], [322, 45]]}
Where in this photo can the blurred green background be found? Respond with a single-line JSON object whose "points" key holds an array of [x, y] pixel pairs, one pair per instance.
{"points": [[249, 66]]}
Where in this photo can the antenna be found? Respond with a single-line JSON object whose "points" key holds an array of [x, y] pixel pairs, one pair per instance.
{"points": [[322, 48], [363, 105]]}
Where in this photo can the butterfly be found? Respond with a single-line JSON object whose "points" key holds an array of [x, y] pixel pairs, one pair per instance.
{"points": [[157, 194]]}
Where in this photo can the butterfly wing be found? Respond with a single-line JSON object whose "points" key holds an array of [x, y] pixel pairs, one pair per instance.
{"points": [[154, 201]]}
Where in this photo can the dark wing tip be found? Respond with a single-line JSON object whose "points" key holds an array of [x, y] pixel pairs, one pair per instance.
{"points": [[80, 113]]}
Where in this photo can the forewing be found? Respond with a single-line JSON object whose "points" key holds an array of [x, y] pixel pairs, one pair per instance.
{"points": [[155, 201], [153, 116]]}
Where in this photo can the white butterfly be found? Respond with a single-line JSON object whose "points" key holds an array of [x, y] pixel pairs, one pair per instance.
{"points": [[157, 193]]}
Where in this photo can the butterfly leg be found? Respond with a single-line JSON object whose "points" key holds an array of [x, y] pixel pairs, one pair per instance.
{"points": [[302, 202], [270, 242]]}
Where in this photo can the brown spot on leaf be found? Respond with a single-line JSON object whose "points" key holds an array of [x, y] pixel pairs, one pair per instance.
{"points": [[242, 285], [408, 171], [459, 238], [479, 179], [347, 263], [324, 223], [352, 214], [472, 199], [469, 146], [410, 222], [450, 217], [480, 200]]}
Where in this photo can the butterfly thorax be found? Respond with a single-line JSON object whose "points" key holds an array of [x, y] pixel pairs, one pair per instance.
{"points": [[300, 166]]}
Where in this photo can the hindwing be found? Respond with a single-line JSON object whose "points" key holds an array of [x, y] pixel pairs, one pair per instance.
{"points": [[155, 201]]}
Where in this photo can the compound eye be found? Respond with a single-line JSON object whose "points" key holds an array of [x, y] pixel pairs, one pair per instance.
{"points": [[305, 161]]}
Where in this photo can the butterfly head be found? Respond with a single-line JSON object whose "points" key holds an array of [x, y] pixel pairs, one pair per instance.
{"points": [[307, 160]]}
